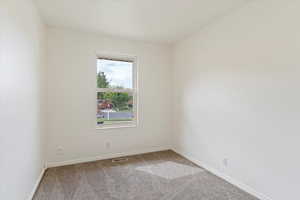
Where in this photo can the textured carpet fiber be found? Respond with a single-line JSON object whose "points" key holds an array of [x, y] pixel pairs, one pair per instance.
{"points": [[154, 176]]}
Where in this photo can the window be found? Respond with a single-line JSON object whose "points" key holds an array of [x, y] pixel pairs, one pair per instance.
{"points": [[116, 92]]}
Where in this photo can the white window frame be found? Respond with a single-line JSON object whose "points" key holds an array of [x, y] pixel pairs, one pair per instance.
{"points": [[133, 91]]}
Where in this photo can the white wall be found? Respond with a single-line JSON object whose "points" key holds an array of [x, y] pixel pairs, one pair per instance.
{"points": [[237, 97], [21, 119], [71, 97]]}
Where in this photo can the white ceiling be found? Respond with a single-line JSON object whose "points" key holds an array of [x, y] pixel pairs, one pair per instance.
{"points": [[148, 20]]}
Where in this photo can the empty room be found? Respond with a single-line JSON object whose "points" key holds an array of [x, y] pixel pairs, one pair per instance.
{"points": [[149, 99]]}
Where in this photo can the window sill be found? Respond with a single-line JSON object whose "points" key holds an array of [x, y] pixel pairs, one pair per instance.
{"points": [[117, 126]]}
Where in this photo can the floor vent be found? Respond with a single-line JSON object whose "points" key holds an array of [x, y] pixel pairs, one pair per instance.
{"points": [[119, 160]]}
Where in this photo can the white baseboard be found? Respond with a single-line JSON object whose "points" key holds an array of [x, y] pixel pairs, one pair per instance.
{"points": [[106, 156], [229, 179], [36, 185]]}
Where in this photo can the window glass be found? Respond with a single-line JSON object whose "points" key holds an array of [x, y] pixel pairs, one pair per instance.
{"points": [[116, 95], [114, 107], [114, 74]]}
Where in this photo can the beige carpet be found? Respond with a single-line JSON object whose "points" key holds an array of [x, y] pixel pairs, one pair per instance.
{"points": [[154, 176]]}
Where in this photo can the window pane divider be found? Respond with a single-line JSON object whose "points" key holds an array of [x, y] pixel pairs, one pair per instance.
{"points": [[115, 90]]}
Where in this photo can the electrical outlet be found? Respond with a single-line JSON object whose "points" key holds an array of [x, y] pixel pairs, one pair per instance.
{"points": [[225, 162], [107, 145], [59, 151]]}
